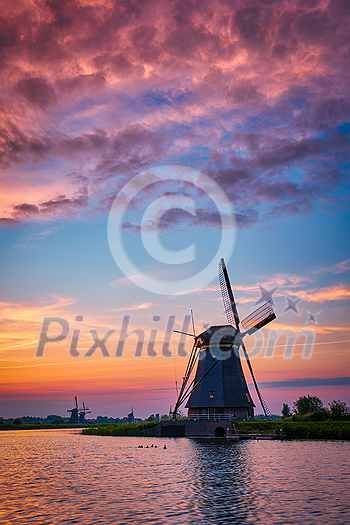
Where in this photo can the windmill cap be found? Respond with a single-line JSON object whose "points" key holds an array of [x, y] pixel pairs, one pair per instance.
{"points": [[227, 336]]}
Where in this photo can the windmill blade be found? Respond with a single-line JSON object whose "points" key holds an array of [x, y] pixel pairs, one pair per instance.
{"points": [[227, 295], [232, 316], [194, 330], [184, 333], [259, 318]]}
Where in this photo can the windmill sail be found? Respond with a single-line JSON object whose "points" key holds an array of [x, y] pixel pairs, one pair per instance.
{"points": [[252, 323], [259, 318], [227, 295]]}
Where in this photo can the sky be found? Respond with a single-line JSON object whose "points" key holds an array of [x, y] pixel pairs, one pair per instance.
{"points": [[229, 122]]}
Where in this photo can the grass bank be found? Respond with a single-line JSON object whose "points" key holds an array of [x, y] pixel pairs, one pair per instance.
{"points": [[299, 429], [36, 426], [120, 429], [291, 429]]}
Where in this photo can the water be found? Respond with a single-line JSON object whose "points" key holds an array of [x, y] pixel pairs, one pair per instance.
{"points": [[61, 477]]}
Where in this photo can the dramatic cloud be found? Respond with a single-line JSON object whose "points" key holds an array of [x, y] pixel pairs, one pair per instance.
{"points": [[253, 93]]}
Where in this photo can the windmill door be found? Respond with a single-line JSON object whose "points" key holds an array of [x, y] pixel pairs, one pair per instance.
{"points": [[211, 413]]}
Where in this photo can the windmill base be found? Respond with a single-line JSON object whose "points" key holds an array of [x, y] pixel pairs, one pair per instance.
{"points": [[222, 428]]}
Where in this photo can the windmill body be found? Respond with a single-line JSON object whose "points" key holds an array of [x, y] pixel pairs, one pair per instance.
{"points": [[222, 390]]}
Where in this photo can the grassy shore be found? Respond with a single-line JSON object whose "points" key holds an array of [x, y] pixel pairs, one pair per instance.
{"points": [[298, 429], [36, 426], [120, 429], [291, 429]]}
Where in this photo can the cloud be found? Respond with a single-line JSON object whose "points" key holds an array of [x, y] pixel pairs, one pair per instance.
{"points": [[5, 221], [341, 267], [25, 209], [37, 91], [143, 306], [338, 292], [55, 303], [332, 293], [35, 237], [306, 382], [58, 206], [250, 93]]}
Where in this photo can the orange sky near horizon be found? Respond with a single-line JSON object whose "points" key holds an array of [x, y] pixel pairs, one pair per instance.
{"points": [[146, 381]]}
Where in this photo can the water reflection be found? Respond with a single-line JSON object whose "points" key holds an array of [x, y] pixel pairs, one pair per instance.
{"points": [[61, 478], [222, 491]]}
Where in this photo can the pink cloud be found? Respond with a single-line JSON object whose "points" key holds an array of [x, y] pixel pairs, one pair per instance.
{"points": [[108, 89]]}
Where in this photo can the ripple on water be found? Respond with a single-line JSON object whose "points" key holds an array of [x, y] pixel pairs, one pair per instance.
{"points": [[63, 477]]}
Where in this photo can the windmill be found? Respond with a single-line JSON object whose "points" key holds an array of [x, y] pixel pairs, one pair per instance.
{"points": [[219, 389], [74, 412], [82, 413], [77, 415]]}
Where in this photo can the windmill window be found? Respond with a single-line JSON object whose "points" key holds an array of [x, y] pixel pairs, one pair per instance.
{"points": [[211, 395]]}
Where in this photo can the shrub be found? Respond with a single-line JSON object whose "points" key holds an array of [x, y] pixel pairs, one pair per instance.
{"points": [[285, 410], [319, 415], [339, 409], [317, 430]]}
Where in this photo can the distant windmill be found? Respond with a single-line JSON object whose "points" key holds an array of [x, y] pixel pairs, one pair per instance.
{"points": [[219, 389], [82, 413], [78, 415], [74, 412]]}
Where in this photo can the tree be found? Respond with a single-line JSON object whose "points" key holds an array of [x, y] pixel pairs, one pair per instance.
{"points": [[53, 417], [285, 410], [307, 405], [17, 421], [338, 409]]}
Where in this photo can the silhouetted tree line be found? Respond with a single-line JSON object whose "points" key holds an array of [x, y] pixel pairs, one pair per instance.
{"points": [[312, 407]]}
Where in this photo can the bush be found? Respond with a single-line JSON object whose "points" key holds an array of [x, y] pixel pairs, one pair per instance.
{"points": [[317, 430], [339, 409], [319, 415], [304, 428]]}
